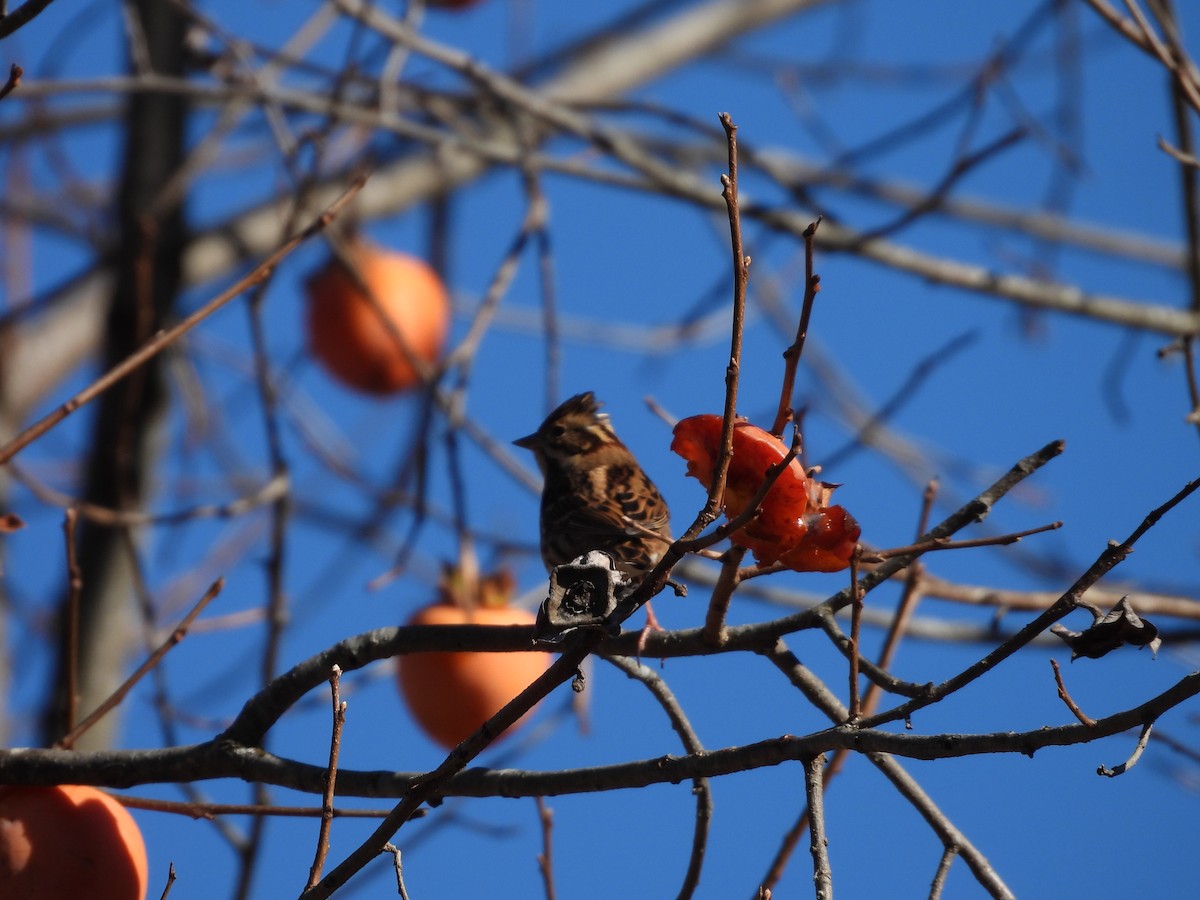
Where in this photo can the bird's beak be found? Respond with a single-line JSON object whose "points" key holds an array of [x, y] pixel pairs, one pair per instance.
{"points": [[528, 442]]}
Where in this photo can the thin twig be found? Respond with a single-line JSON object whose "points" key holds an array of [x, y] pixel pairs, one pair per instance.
{"points": [[74, 591], [200, 810], [691, 743], [943, 870], [947, 832], [1124, 767], [335, 744], [856, 608], [879, 677], [1108, 560], [1188, 174], [20, 16], [431, 783], [165, 338], [154, 659], [872, 428], [971, 512], [908, 600], [1145, 602], [1193, 383], [1000, 540], [170, 881], [14, 80], [722, 595], [275, 607], [545, 859], [791, 356], [908, 603], [941, 191], [106, 515], [395, 851], [741, 265], [818, 843], [1066, 697], [682, 183], [1186, 158], [787, 846]]}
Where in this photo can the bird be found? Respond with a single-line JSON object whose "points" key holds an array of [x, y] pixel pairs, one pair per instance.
{"points": [[595, 495]]}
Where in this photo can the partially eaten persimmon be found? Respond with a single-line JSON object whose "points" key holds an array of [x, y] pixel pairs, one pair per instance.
{"points": [[795, 525]]}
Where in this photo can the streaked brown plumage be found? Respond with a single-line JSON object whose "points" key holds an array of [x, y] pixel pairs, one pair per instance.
{"points": [[593, 485]]}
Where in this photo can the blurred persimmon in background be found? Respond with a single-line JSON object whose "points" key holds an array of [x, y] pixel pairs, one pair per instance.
{"points": [[347, 332], [451, 694], [69, 841]]}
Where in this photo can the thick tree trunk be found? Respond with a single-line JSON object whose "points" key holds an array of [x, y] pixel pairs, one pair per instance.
{"points": [[146, 280]]}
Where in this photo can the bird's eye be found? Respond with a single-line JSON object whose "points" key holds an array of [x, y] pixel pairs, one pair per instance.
{"points": [[557, 431]]}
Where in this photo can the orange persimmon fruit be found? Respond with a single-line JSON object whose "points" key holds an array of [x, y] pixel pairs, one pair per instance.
{"points": [[451, 694], [697, 440], [348, 335], [795, 524], [69, 841], [828, 543]]}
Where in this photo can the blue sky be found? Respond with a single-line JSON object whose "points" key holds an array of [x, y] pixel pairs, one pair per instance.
{"points": [[626, 259]]}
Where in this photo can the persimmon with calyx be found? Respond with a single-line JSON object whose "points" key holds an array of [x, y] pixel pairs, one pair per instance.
{"points": [[363, 345], [451, 694], [69, 841], [795, 524]]}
